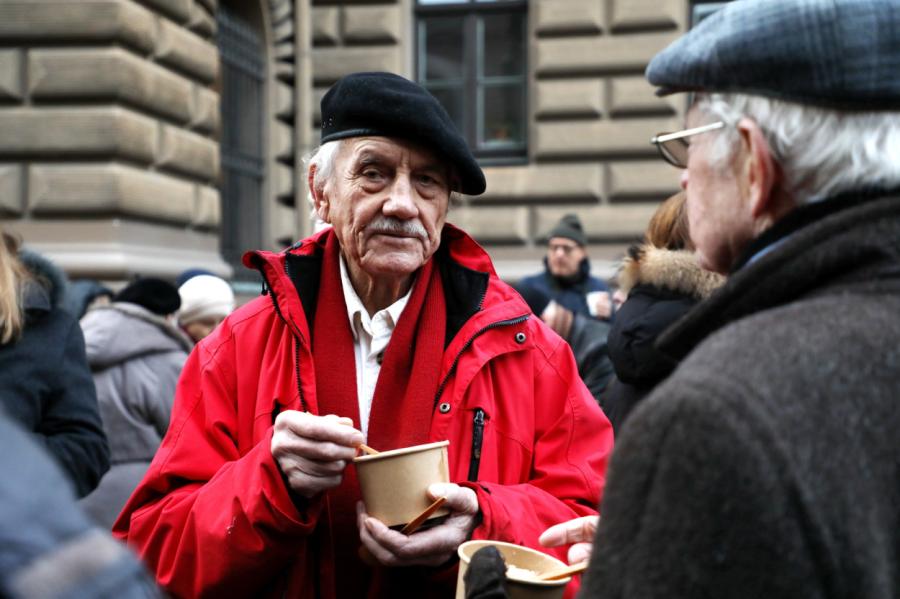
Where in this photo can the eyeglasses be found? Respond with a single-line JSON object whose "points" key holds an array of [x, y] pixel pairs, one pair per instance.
{"points": [[673, 147]]}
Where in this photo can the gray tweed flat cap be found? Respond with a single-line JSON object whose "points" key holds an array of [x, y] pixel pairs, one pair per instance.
{"points": [[833, 53]]}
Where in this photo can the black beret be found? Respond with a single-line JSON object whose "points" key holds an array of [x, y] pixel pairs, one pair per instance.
{"points": [[387, 105], [156, 295], [841, 54]]}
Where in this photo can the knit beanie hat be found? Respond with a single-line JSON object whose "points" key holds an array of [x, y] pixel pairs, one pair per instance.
{"points": [[569, 227], [156, 295], [205, 296]]}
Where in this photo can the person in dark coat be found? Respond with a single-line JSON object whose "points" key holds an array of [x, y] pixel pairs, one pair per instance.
{"points": [[136, 353], [566, 278], [45, 383], [585, 335], [766, 465], [663, 281], [48, 548]]}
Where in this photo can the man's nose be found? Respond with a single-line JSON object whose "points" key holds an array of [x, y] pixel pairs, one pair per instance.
{"points": [[684, 179], [401, 202]]}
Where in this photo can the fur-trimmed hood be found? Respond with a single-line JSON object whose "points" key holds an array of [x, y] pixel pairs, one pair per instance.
{"points": [[668, 269]]}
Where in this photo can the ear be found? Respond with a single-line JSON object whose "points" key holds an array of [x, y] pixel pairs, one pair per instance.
{"points": [[760, 170], [318, 195]]}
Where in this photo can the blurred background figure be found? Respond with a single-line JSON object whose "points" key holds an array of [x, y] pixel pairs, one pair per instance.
{"points": [[45, 383], [205, 301], [136, 353], [586, 336], [48, 548], [83, 294], [567, 276], [662, 280]]}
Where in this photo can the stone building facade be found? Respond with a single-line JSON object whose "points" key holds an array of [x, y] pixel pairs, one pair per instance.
{"points": [[150, 136]]}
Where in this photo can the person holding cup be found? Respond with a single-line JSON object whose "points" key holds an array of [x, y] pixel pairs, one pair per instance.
{"points": [[391, 328]]}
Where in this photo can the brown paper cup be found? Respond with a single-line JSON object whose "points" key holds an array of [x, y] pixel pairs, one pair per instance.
{"points": [[395, 483], [520, 557]]}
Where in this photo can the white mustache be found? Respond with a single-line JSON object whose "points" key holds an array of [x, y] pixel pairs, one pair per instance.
{"points": [[394, 226]]}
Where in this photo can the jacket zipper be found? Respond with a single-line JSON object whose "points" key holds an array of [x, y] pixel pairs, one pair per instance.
{"points": [[271, 292], [478, 422], [477, 436], [493, 325]]}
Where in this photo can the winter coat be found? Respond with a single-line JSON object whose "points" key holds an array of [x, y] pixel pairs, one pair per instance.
{"points": [[662, 286], [213, 517], [587, 339], [766, 465], [136, 357], [569, 293], [48, 548], [45, 383]]}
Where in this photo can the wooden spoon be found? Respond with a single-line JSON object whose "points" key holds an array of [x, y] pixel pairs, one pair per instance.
{"points": [[419, 520], [366, 556], [564, 572], [367, 450]]}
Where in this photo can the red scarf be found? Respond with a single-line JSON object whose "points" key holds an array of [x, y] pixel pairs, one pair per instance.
{"points": [[404, 394]]}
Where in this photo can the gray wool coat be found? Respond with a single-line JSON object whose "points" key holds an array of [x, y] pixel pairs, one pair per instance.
{"points": [[768, 464], [136, 358]]}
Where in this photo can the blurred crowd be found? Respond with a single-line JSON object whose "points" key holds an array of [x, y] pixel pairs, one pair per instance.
{"points": [[718, 420]]}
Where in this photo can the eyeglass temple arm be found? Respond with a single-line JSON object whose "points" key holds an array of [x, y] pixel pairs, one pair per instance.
{"points": [[658, 139]]}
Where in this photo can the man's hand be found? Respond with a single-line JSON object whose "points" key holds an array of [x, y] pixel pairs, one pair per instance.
{"points": [[578, 532], [312, 451], [558, 318], [600, 304], [430, 547]]}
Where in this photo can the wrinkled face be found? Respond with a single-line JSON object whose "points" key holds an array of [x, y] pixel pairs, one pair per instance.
{"points": [[387, 200], [199, 329], [718, 212], [564, 256]]}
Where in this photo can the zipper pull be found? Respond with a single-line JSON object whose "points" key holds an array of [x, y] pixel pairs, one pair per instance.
{"points": [[477, 439], [265, 288]]}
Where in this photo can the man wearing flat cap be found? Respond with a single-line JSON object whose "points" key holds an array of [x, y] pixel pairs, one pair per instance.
{"points": [[768, 464], [389, 328]]}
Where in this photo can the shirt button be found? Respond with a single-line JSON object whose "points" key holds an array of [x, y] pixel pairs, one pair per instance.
{"points": [[520, 337], [444, 407]]}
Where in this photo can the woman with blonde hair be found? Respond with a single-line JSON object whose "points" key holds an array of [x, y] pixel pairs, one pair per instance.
{"points": [[662, 280], [45, 383]]}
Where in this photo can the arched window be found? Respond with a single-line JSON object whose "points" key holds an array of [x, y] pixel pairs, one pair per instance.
{"points": [[242, 107]]}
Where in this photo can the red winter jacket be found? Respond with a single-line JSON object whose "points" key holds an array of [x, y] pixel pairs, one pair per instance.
{"points": [[213, 517]]}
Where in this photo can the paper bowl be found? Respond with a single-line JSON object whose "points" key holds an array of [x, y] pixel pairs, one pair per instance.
{"points": [[395, 483], [520, 557]]}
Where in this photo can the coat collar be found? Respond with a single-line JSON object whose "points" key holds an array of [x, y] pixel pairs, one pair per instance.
{"points": [[667, 269], [472, 290], [851, 246]]}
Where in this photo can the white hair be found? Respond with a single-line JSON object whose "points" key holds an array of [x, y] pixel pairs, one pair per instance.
{"points": [[323, 159], [821, 151]]}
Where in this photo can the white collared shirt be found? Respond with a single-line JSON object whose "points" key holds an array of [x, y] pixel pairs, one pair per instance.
{"points": [[370, 338]]}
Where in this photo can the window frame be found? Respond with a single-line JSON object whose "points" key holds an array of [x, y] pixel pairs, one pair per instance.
{"points": [[473, 80]]}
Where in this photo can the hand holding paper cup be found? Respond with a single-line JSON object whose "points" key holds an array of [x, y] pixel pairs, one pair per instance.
{"points": [[395, 483]]}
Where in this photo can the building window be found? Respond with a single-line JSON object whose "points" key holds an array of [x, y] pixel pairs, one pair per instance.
{"points": [[242, 87], [471, 54]]}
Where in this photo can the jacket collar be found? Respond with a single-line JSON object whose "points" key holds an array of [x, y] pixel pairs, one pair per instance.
{"points": [[471, 286], [831, 246]]}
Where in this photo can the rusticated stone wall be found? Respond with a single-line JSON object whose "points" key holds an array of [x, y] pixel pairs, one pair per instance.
{"points": [[591, 117], [108, 125]]}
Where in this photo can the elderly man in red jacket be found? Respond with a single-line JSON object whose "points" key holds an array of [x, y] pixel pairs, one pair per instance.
{"points": [[391, 328]]}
